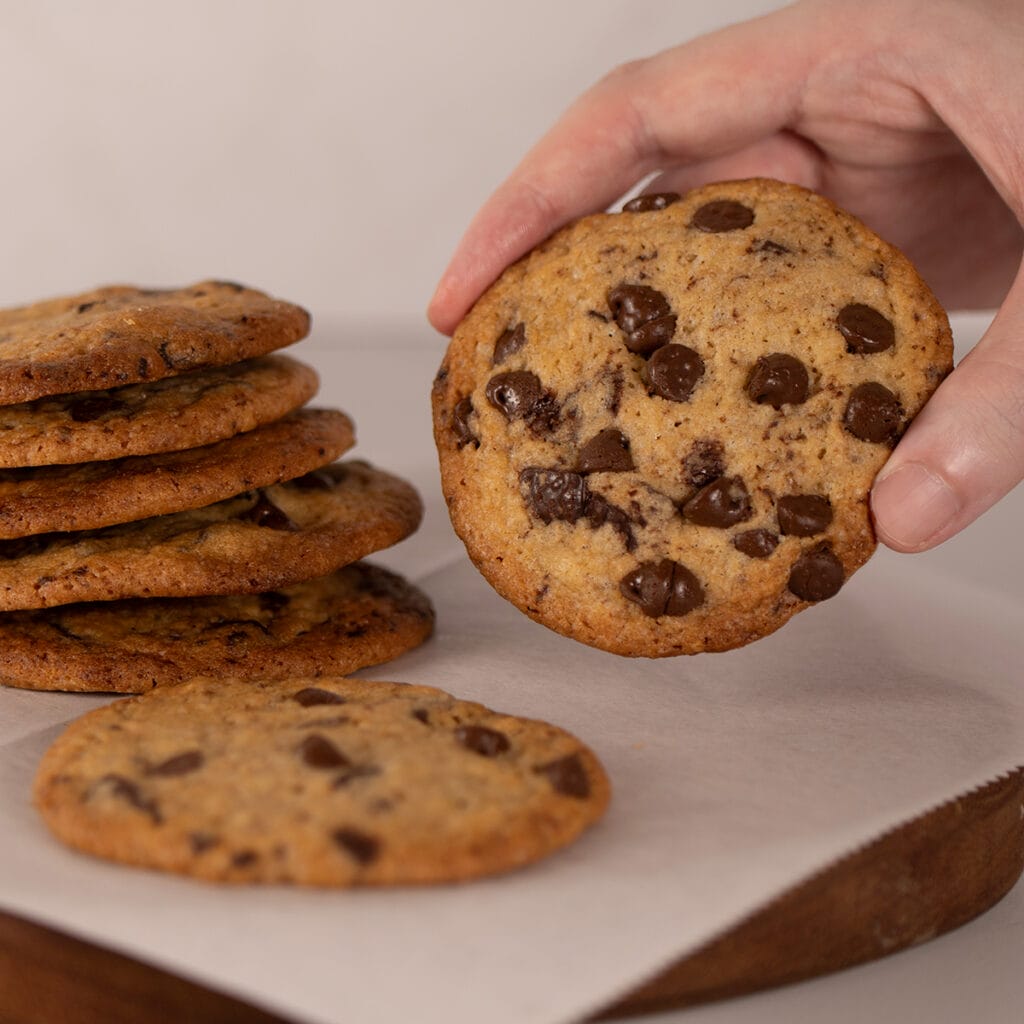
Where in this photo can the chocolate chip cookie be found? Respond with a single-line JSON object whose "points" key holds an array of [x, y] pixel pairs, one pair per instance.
{"points": [[261, 540], [322, 781], [658, 431], [360, 615], [123, 335], [91, 495], [187, 411]]}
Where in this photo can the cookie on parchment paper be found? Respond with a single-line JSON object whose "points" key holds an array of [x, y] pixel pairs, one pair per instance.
{"points": [[187, 411], [317, 781], [658, 432], [254, 542], [121, 335], [359, 616], [92, 495]]}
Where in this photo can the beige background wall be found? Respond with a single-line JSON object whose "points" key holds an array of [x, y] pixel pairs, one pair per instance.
{"points": [[330, 152]]}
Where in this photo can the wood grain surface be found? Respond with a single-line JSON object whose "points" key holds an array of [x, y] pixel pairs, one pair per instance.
{"points": [[919, 881]]}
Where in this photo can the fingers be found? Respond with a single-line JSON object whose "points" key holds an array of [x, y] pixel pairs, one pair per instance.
{"points": [[966, 448], [705, 99]]}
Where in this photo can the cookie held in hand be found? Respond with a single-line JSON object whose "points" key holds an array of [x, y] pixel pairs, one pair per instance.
{"points": [[323, 781], [659, 430]]}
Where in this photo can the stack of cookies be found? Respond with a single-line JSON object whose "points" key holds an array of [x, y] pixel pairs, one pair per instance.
{"points": [[172, 524], [170, 507]]}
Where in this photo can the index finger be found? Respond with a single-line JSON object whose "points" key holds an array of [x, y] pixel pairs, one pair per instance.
{"points": [[697, 101]]}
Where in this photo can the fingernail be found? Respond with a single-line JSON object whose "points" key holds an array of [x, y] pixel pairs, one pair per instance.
{"points": [[912, 504]]}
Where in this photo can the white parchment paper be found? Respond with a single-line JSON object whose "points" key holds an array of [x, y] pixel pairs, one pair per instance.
{"points": [[735, 775]]}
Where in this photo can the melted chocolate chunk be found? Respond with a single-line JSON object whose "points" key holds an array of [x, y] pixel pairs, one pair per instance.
{"points": [[555, 493], [265, 513], [180, 764], [606, 452], [358, 771], [126, 790], [515, 394], [767, 245], [567, 776], [778, 379], [460, 423], [85, 410], [873, 413], [804, 515], [319, 752], [704, 463], [521, 396], [316, 480], [512, 339], [364, 849], [313, 695], [756, 543], [481, 740], [600, 512], [563, 495], [722, 503], [662, 588], [673, 371], [653, 201], [865, 329], [817, 574], [644, 316], [722, 215]]}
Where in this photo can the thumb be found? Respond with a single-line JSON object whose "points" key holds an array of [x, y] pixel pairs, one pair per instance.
{"points": [[966, 448]]}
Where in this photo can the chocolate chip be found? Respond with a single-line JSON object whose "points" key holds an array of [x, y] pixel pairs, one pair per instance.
{"points": [[85, 410], [673, 371], [358, 771], [265, 513], [84, 307], [126, 790], [362, 848], [865, 329], [312, 695], [421, 715], [644, 316], [563, 495], [722, 215], [567, 776], [804, 515], [200, 842], [767, 245], [653, 201], [662, 588], [244, 859], [873, 413], [778, 379], [460, 423], [756, 543], [481, 740], [704, 462], [606, 452], [319, 752], [520, 395], [817, 574], [721, 503], [512, 339], [554, 493], [180, 764], [316, 480]]}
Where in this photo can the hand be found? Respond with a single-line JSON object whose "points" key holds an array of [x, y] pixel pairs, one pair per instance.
{"points": [[907, 114]]}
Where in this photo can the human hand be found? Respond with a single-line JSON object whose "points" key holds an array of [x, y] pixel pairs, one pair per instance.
{"points": [[905, 113]]}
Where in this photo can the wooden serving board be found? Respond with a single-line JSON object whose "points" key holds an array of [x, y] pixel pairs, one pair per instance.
{"points": [[925, 878]]}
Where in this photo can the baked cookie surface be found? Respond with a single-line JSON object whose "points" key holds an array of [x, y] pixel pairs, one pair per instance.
{"points": [[254, 542], [92, 495], [186, 411], [358, 616], [321, 781], [658, 432], [120, 335]]}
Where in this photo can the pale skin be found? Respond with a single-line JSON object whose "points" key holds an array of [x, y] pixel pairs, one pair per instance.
{"points": [[908, 113]]}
